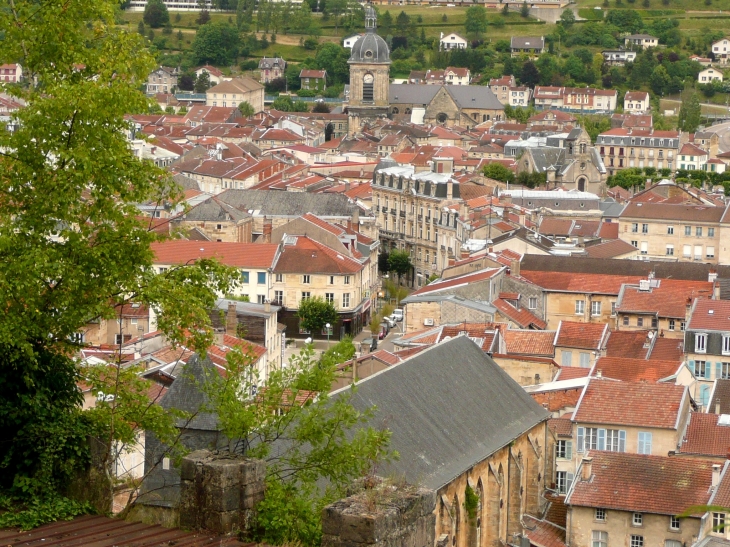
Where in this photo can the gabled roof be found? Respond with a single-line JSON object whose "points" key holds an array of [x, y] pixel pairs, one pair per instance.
{"points": [[454, 282], [307, 256], [643, 484], [436, 439], [669, 299], [672, 211], [705, 436], [610, 249], [571, 334], [710, 315], [628, 344], [689, 149], [527, 42], [278, 203], [523, 317], [578, 282], [720, 396], [241, 255], [612, 402], [635, 370], [543, 533]]}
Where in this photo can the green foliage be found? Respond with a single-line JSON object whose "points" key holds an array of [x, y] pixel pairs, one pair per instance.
{"points": [[395, 291], [26, 515], [156, 14], [399, 261], [524, 10], [594, 124], [333, 58], [690, 111], [216, 43], [471, 502], [634, 177], [246, 109], [625, 20], [202, 82], [567, 18], [476, 20], [315, 313], [307, 93], [497, 171], [321, 108], [322, 439]]}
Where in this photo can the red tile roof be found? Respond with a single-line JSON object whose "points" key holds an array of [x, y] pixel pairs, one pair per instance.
{"points": [[311, 257], [612, 402], [529, 342], [562, 427], [710, 315], [242, 255], [626, 343], [635, 370], [656, 484], [667, 349], [559, 399], [669, 299], [579, 282], [459, 281], [570, 373], [581, 335], [705, 437], [523, 317], [610, 249], [543, 534]]}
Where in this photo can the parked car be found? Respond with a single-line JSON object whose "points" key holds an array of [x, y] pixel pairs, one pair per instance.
{"points": [[390, 321], [397, 315]]}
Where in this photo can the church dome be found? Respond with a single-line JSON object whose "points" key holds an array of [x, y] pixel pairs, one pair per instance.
{"points": [[370, 48]]}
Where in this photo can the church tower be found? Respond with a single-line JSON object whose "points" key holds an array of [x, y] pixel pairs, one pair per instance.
{"points": [[369, 75]]}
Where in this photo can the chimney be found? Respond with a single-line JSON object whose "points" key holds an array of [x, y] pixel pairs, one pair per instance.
{"points": [[354, 370], [347, 186], [267, 306], [717, 407], [515, 267], [716, 474], [586, 469], [599, 373], [219, 340], [356, 219], [231, 320], [452, 261], [267, 230]]}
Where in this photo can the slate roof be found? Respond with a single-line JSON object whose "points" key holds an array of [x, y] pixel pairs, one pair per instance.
{"points": [[437, 439], [611, 402], [705, 437], [657, 484], [185, 394], [465, 96], [278, 203], [527, 42], [213, 210]]}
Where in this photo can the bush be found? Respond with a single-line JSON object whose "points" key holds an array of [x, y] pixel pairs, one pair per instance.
{"points": [[249, 65], [310, 43], [307, 93]]}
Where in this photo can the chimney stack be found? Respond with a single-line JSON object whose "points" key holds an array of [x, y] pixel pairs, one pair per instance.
{"points": [[354, 370], [267, 230], [356, 219], [586, 469], [219, 340], [717, 407], [716, 474], [515, 268], [267, 306], [231, 320], [599, 373]]}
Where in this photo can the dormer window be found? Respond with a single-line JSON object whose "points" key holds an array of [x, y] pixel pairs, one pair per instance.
{"points": [[701, 343]]}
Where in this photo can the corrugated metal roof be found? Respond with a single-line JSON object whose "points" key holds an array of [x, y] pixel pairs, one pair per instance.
{"points": [[95, 531]]}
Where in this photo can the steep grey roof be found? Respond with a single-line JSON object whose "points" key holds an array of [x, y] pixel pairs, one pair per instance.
{"points": [[484, 307], [412, 93], [546, 157], [185, 182], [610, 208], [370, 48], [448, 408], [185, 394], [213, 210], [474, 96], [279, 203], [384, 163]]}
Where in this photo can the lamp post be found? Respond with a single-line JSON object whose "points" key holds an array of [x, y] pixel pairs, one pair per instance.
{"points": [[328, 327]]}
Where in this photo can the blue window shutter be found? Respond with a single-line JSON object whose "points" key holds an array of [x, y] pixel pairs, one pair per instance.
{"points": [[569, 449], [622, 441], [704, 395], [718, 370], [581, 436], [568, 482], [601, 439], [692, 367]]}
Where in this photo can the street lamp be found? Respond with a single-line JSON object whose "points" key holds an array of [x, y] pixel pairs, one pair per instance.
{"points": [[328, 327]]}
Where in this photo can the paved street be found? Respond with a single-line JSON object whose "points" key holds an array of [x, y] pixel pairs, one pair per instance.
{"points": [[723, 131]]}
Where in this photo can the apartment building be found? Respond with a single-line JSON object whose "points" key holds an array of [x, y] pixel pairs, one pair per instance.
{"points": [[162, 80], [234, 92], [676, 232], [501, 86], [573, 99], [620, 148]]}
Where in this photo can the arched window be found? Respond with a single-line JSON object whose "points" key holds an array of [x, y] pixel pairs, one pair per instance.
{"points": [[582, 185], [395, 110], [484, 117], [407, 111], [583, 148], [442, 117]]}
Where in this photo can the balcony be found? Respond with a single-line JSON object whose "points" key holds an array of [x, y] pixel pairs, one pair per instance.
{"points": [[420, 218], [403, 214]]}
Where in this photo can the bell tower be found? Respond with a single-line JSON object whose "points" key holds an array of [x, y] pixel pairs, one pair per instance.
{"points": [[369, 75]]}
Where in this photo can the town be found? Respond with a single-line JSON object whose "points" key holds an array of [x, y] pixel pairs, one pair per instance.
{"points": [[425, 274]]}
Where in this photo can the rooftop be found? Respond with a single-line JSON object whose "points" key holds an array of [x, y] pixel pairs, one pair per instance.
{"points": [[572, 334], [706, 436]]}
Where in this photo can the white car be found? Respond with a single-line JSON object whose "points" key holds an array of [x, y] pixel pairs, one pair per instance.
{"points": [[390, 321], [397, 315]]}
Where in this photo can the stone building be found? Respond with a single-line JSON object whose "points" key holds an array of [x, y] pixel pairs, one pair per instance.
{"points": [[463, 425], [234, 92]]}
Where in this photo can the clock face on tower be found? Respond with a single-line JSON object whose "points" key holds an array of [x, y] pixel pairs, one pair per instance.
{"points": [[368, 78]]}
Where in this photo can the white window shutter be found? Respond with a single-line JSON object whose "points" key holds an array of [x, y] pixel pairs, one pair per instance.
{"points": [[581, 435], [601, 439], [569, 449], [568, 482], [622, 441]]}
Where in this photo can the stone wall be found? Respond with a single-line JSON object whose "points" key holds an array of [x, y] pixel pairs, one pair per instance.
{"points": [[219, 492], [385, 515]]}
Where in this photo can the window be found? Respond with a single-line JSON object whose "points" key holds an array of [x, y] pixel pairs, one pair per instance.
{"points": [[261, 278], [613, 309], [166, 464], [670, 250], [700, 343], [644, 442], [639, 321], [710, 252], [564, 450], [261, 299], [687, 251], [698, 252], [600, 514], [580, 307], [635, 243], [637, 541], [682, 324], [718, 522], [279, 297], [616, 440], [674, 523], [673, 543], [585, 359], [671, 324], [346, 300], [244, 277], [688, 230], [698, 231], [331, 280], [329, 297], [637, 519], [532, 303], [563, 481], [710, 232], [635, 227], [625, 321], [306, 295], [306, 279], [701, 369], [279, 278], [566, 359], [347, 280], [644, 228], [654, 322], [644, 247], [595, 308], [670, 230], [599, 539], [591, 438]]}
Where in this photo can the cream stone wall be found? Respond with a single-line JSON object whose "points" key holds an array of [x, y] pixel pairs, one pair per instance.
{"points": [[319, 285], [655, 528], [560, 306], [653, 244], [415, 313], [664, 325], [237, 232], [524, 371]]}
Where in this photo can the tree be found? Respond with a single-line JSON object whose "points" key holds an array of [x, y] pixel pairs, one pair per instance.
{"points": [[525, 10], [402, 23], [246, 109], [74, 250], [476, 20], [400, 262], [567, 18], [659, 80], [156, 14], [386, 22], [321, 108], [283, 103], [204, 14], [690, 111], [216, 43], [202, 82], [333, 58], [529, 75], [497, 171], [140, 28], [315, 313]]}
